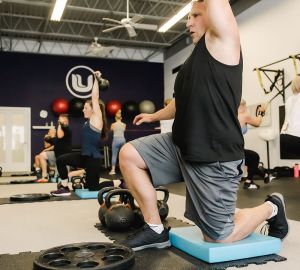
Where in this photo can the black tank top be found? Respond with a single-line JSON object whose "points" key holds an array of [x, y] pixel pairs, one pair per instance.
{"points": [[207, 96]]}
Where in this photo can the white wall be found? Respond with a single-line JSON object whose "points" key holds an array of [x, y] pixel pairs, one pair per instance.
{"points": [[269, 32], [172, 63]]}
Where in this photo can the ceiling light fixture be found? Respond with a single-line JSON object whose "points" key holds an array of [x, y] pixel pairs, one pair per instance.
{"points": [[58, 10], [183, 12]]}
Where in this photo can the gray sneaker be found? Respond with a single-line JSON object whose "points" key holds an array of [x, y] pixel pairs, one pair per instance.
{"points": [[147, 238]]}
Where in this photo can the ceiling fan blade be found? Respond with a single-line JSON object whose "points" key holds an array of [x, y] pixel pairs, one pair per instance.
{"points": [[112, 28], [136, 18], [145, 26], [130, 30], [111, 20]]}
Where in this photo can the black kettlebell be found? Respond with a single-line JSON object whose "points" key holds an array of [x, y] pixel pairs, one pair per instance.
{"points": [[102, 209], [77, 182], [0, 171], [138, 217], [120, 216], [103, 83], [163, 208], [51, 174]]}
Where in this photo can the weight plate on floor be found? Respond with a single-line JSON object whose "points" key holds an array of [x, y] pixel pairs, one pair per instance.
{"points": [[22, 181], [96, 256], [30, 197]]}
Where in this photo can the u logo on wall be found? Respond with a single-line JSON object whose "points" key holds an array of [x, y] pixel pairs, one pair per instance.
{"points": [[79, 81]]}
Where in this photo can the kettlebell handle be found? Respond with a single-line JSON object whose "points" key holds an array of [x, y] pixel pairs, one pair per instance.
{"points": [[102, 192], [165, 191], [75, 178], [124, 193]]}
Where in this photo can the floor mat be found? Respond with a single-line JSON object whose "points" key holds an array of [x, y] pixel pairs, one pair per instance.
{"points": [[147, 260], [173, 258], [73, 196]]}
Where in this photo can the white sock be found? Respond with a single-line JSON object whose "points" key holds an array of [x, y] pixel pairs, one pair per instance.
{"points": [[274, 209], [158, 228], [37, 169]]}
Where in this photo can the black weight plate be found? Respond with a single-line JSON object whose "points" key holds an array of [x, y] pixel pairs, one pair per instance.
{"points": [[22, 181], [30, 197], [94, 255]]}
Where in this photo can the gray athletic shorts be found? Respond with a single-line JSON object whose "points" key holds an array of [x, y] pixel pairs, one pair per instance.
{"points": [[211, 187], [51, 158]]}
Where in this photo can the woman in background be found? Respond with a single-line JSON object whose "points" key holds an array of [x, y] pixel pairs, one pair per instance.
{"points": [[94, 130], [118, 129], [290, 132], [251, 157]]}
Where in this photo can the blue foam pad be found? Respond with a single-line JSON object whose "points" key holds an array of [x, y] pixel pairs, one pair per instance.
{"points": [[86, 194], [190, 240]]}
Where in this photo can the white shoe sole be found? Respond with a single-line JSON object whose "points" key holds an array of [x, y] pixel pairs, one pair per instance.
{"points": [[155, 245], [61, 195]]}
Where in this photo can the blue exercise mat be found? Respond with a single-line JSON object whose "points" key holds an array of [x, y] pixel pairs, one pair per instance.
{"points": [[86, 194], [190, 240]]}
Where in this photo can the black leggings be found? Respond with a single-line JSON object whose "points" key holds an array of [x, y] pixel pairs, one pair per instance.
{"points": [[90, 164], [251, 161], [289, 146]]}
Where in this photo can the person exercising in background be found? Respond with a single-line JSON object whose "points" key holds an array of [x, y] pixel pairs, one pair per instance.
{"points": [[62, 144], [94, 130], [118, 129], [290, 132], [48, 146], [251, 157], [206, 147]]}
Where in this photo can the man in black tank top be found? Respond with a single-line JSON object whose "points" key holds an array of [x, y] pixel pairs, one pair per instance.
{"points": [[205, 148]]}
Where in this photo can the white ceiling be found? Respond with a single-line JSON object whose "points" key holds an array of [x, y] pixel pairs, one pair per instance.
{"points": [[28, 20]]}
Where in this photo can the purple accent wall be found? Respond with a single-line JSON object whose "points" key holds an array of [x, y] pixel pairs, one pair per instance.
{"points": [[35, 80]]}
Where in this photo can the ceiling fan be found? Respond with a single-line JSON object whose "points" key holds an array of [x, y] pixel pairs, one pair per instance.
{"points": [[130, 24], [99, 50]]}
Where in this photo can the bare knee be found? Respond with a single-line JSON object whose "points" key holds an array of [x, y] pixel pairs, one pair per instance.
{"points": [[42, 156], [129, 156]]}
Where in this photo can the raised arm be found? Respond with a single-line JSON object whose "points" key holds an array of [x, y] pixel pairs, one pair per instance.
{"points": [[221, 19], [223, 35], [62, 122], [96, 118]]}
